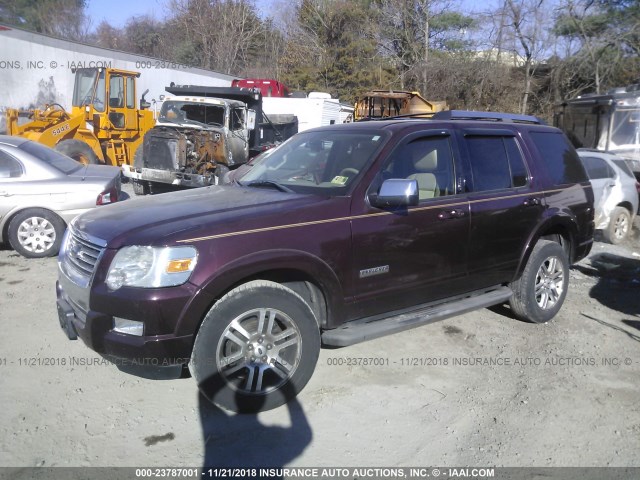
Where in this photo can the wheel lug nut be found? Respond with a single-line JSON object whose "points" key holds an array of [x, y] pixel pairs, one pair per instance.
{"points": [[264, 359], [269, 347], [260, 340], [253, 359]]}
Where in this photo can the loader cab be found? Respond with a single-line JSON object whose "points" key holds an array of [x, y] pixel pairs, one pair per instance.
{"points": [[107, 97]]}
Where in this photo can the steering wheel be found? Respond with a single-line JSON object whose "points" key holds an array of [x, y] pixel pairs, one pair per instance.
{"points": [[348, 172]]}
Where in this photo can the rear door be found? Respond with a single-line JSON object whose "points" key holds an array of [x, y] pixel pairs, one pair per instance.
{"points": [[602, 179], [505, 203]]}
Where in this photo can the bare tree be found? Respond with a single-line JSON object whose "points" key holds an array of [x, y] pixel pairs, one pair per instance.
{"points": [[527, 20], [224, 30]]}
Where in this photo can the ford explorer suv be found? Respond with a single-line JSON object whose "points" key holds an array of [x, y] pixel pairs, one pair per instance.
{"points": [[342, 234]]}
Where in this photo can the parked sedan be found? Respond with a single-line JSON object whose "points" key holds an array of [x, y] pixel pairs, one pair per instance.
{"points": [[41, 191], [615, 191]]}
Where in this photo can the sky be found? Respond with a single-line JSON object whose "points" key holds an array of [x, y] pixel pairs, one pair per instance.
{"points": [[117, 12]]}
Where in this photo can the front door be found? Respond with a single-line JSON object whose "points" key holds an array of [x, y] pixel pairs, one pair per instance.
{"points": [[418, 254]]}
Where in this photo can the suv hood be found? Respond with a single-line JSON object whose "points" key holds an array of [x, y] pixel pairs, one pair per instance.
{"points": [[166, 218]]}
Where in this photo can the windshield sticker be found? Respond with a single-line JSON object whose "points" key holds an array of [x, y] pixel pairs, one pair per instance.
{"points": [[376, 138], [339, 180]]}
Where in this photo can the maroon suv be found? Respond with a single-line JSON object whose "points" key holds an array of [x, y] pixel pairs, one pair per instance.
{"points": [[341, 234]]}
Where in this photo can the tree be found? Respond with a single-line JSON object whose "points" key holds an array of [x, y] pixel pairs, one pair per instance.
{"points": [[60, 18]]}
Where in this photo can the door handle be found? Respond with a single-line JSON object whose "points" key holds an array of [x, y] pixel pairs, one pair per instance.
{"points": [[531, 202], [4, 194], [449, 214]]}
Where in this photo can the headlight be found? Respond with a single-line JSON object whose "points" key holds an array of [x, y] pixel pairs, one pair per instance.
{"points": [[151, 267]]}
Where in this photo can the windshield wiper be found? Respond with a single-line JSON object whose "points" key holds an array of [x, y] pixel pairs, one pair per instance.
{"points": [[269, 183]]}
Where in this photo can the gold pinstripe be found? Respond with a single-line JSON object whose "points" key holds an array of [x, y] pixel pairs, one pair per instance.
{"points": [[366, 215]]}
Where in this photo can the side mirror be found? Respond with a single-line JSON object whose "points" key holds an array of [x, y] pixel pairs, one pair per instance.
{"points": [[143, 103], [396, 192], [251, 119]]}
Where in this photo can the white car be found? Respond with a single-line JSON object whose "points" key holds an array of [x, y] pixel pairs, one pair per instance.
{"points": [[615, 192], [41, 191]]}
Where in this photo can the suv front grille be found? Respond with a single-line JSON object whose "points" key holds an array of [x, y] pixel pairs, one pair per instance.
{"points": [[80, 258]]}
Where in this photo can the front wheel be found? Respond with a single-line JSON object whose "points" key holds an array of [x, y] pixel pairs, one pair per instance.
{"points": [[36, 233], [256, 348], [540, 292], [78, 150]]}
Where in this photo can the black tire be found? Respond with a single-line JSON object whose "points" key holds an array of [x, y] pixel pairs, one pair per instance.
{"points": [[221, 172], [619, 226], [36, 233], [540, 292], [286, 363], [140, 187], [78, 150]]}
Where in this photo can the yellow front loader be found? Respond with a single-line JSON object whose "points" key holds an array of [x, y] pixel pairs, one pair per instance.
{"points": [[105, 124]]}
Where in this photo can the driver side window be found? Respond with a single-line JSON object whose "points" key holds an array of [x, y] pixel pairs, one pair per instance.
{"points": [[429, 161]]}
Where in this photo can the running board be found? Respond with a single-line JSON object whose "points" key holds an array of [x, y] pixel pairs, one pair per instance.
{"points": [[374, 327]]}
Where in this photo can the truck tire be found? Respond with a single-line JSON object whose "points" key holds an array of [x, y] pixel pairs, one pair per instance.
{"points": [[619, 226], [540, 292], [140, 187], [36, 233], [78, 150], [256, 348], [221, 172]]}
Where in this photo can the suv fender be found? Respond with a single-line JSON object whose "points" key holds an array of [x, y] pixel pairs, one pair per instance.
{"points": [[283, 264], [565, 226]]}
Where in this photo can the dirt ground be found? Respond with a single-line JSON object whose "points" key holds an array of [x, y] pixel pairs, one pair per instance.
{"points": [[482, 389]]}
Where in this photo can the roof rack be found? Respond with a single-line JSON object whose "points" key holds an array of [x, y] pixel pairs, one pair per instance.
{"points": [[488, 116]]}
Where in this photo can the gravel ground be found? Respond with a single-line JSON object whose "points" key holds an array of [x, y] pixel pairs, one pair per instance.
{"points": [[482, 389]]}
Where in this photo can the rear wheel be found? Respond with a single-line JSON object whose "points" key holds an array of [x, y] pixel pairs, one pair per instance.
{"points": [[36, 233], [540, 292], [619, 226], [256, 348], [78, 150]]}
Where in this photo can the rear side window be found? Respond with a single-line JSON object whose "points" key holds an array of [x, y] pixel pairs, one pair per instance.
{"points": [[559, 158], [9, 166], [597, 168], [496, 163]]}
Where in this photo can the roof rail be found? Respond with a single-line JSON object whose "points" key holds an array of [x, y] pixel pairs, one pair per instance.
{"points": [[488, 116]]}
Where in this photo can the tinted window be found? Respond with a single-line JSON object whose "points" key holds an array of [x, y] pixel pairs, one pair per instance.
{"points": [[429, 161], [559, 158], [489, 163], [519, 173], [597, 168], [9, 166], [49, 156]]}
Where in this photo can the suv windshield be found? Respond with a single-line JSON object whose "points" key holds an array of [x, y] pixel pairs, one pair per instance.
{"points": [[323, 162], [185, 112]]}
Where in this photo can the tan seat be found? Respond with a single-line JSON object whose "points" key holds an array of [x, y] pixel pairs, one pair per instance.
{"points": [[427, 182], [427, 185]]}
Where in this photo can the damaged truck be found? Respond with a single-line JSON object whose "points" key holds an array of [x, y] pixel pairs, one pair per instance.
{"points": [[200, 134]]}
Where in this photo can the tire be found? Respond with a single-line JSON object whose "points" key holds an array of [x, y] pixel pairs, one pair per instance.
{"points": [[540, 292], [78, 150], [221, 172], [36, 233], [140, 187], [239, 362], [619, 226]]}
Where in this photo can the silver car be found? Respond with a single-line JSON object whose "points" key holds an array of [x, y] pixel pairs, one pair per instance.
{"points": [[615, 192], [41, 191]]}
